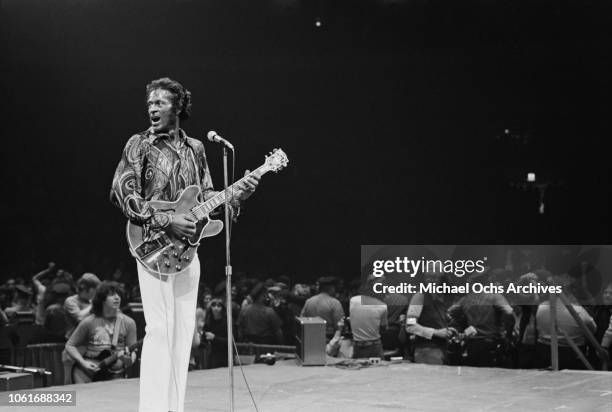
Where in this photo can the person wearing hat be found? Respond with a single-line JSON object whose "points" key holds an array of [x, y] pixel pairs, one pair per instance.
{"points": [[78, 306], [325, 305]]}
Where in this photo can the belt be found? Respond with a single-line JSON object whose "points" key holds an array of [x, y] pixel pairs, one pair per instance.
{"points": [[366, 342]]}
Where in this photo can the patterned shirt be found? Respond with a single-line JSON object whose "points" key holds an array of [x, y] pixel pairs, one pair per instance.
{"points": [[152, 168]]}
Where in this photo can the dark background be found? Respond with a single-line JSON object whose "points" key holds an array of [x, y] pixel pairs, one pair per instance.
{"points": [[392, 114]]}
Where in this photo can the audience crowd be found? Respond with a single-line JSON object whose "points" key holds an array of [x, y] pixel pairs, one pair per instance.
{"points": [[92, 316]]}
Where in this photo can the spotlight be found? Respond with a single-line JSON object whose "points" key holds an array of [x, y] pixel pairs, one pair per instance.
{"points": [[318, 22], [531, 177]]}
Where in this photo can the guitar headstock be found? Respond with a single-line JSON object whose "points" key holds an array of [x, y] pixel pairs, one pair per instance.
{"points": [[277, 160]]}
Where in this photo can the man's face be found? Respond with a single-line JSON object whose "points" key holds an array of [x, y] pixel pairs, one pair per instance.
{"points": [[91, 292], [113, 301], [161, 112], [607, 295]]}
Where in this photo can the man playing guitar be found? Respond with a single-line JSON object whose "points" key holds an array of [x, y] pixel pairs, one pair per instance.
{"points": [[105, 329], [158, 165]]}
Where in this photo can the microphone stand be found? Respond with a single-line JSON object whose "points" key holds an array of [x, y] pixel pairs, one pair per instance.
{"points": [[228, 286]]}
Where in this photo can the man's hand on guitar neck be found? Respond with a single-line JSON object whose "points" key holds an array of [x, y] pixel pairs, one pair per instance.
{"points": [[182, 225], [248, 185]]}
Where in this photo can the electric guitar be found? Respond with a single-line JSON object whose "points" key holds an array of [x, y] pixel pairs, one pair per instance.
{"points": [[166, 254], [104, 361]]}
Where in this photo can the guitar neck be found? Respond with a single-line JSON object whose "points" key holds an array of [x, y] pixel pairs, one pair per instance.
{"points": [[219, 199]]}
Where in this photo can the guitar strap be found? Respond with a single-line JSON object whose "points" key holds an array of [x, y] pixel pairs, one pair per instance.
{"points": [[116, 331]]}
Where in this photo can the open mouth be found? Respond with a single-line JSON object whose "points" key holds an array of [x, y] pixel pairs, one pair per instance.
{"points": [[155, 120]]}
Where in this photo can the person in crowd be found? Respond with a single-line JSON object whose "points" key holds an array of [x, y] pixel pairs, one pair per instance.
{"points": [[215, 333], [341, 344], [200, 319], [526, 306], [202, 309], [568, 359], [236, 308], [325, 305], [206, 299], [105, 329], [258, 323], [6, 296], [297, 298], [22, 302], [55, 324], [602, 317], [277, 294], [397, 305], [427, 319], [3, 319], [368, 314], [39, 292], [606, 339], [486, 320], [78, 306]]}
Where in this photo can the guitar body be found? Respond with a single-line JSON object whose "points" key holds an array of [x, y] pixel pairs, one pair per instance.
{"points": [[103, 361], [162, 252], [165, 254]]}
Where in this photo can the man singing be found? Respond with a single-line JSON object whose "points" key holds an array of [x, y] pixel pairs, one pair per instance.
{"points": [[158, 164]]}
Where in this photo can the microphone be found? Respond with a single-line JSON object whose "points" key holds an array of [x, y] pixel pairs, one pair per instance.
{"points": [[214, 137]]}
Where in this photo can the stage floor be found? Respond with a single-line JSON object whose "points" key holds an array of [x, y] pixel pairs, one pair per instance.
{"points": [[406, 387]]}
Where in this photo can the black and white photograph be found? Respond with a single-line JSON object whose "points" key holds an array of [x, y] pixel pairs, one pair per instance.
{"points": [[306, 205]]}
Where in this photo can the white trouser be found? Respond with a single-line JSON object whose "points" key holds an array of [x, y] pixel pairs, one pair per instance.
{"points": [[169, 305]]}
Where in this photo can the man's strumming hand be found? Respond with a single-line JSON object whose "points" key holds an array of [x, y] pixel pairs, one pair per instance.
{"points": [[182, 225]]}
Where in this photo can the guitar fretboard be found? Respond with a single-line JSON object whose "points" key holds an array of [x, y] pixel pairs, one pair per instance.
{"points": [[217, 200]]}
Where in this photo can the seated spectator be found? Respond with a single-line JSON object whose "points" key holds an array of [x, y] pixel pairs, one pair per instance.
{"points": [[258, 323], [341, 344], [325, 305], [486, 320], [368, 319], [101, 333], [77, 306], [565, 322], [428, 320]]}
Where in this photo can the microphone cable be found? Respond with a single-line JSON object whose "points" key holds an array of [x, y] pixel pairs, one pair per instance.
{"points": [[243, 375]]}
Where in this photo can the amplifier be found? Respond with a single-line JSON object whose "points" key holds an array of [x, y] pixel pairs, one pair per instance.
{"points": [[310, 338], [10, 381]]}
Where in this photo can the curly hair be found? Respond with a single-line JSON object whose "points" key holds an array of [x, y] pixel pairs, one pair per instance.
{"points": [[181, 97], [102, 292]]}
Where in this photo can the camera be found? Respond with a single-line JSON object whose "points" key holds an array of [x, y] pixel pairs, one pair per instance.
{"points": [[346, 329], [267, 358]]}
